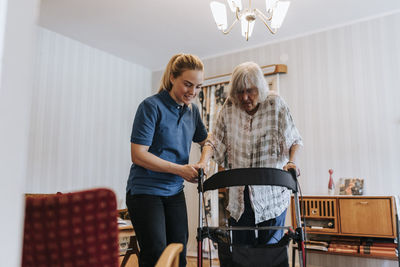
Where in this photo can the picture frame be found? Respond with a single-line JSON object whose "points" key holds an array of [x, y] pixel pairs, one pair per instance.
{"points": [[351, 186]]}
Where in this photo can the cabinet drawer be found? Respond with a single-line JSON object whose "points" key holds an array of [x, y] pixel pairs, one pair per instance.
{"points": [[366, 216]]}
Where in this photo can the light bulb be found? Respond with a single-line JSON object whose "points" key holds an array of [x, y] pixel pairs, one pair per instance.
{"points": [[247, 22]]}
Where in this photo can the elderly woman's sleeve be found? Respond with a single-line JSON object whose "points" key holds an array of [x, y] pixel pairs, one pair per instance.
{"points": [[289, 132], [217, 139]]}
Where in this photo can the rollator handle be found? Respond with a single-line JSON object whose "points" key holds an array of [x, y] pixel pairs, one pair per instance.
{"points": [[200, 228], [293, 172], [200, 180], [201, 172], [299, 233]]}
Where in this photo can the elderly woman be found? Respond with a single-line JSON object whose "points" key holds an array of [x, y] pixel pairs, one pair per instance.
{"points": [[254, 129]]}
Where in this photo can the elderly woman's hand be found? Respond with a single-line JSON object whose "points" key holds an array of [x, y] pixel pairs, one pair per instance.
{"points": [[201, 165], [291, 165]]}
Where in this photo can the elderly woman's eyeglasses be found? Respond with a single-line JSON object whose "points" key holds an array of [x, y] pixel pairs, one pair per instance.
{"points": [[249, 91]]}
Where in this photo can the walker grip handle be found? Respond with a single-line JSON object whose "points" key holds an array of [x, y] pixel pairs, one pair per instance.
{"points": [[201, 173], [293, 172], [200, 180]]}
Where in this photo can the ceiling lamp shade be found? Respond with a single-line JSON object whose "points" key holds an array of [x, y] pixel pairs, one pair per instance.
{"points": [[270, 4], [279, 14], [219, 13], [276, 12], [234, 3]]}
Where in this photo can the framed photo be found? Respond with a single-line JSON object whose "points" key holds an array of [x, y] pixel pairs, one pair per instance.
{"points": [[351, 186]]}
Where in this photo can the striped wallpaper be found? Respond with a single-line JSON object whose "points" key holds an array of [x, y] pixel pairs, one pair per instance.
{"points": [[343, 89], [83, 105]]}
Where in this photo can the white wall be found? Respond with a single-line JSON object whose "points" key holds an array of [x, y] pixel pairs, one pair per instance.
{"points": [[342, 87], [82, 112], [16, 54]]}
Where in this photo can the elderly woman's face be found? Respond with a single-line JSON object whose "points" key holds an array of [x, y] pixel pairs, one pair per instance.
{"points": [[248, 100]]}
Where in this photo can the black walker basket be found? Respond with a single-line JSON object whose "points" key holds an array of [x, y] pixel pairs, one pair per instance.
{"points": [[273, 255]]}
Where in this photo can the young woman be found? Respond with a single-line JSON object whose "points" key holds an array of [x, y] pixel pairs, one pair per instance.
{"points": [[164, 128]]}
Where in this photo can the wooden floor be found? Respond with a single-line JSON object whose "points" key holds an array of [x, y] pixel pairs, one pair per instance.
{"points": [[191, 262], [132, 262]]}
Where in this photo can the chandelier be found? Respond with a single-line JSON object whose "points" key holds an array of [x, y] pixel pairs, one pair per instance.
{"points": [[276, 12]]}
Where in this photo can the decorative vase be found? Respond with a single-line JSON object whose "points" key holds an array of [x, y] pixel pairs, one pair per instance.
{"points": [[331, 184]]}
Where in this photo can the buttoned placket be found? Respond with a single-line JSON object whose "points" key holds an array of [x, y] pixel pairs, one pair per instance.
{"points": [[182, 110], [249, 147], [249, 121]]}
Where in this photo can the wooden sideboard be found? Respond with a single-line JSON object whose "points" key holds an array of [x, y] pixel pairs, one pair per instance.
{"points": [[362, 217], [349, 215]]}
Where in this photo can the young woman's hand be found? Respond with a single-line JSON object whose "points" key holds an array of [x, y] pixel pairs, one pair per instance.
{"points": [[189, 173]]}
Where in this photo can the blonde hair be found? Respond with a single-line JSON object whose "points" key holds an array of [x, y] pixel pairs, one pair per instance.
{"points": [[176, 66], [247, 75]]}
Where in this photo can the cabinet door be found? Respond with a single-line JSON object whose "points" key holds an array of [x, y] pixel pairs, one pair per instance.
{"points": [[366, 216]]}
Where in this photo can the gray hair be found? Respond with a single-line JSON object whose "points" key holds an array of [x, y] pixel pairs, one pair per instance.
{"points": [[247, 75]]}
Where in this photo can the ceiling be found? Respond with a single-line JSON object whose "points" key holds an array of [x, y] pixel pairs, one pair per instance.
{"points": [[149, 32]]}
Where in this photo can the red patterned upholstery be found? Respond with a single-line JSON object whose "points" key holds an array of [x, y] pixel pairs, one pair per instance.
{"points": [[74, 229]]}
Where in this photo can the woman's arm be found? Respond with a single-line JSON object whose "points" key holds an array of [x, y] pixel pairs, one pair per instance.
{"points": [[293, 152], [291, 135], [206, 153], [142, 157]]}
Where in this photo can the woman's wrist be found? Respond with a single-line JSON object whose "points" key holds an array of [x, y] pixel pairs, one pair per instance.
{"points": [[175, 168], [290, 162]]}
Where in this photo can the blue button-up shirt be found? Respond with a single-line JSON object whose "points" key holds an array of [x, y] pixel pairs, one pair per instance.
{"points": [[168, 129]]}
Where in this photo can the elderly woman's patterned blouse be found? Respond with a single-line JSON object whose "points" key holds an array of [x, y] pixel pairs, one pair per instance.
{"points": [[241, 140]]}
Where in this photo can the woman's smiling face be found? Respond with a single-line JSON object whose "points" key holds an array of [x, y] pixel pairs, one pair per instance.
{"points": [[186, 86]]}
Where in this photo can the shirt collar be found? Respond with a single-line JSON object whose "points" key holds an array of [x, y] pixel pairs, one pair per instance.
{"points": [[170, 101]]}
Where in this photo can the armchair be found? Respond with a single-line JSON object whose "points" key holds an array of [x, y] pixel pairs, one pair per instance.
{"points": [[74, 229]]}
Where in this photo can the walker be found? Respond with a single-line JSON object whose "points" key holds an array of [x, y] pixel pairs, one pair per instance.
{"points": [[273, 255]]}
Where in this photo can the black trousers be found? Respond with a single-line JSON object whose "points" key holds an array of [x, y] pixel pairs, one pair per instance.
{"points": [[158, 221], [248, 219]]}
